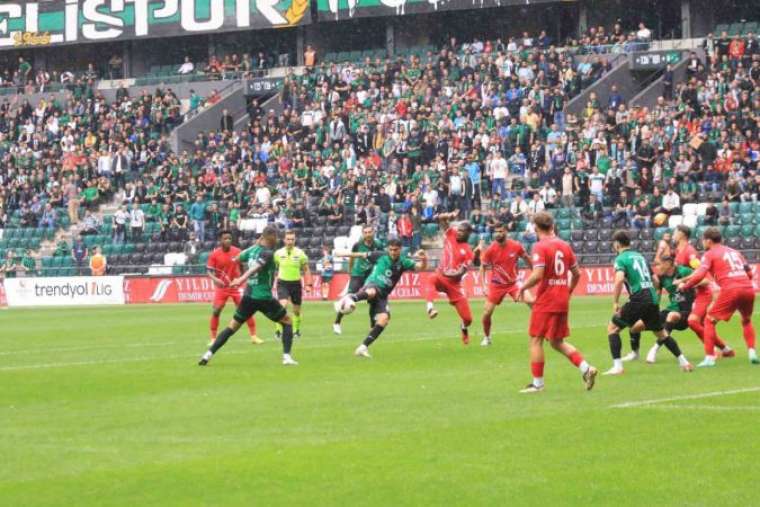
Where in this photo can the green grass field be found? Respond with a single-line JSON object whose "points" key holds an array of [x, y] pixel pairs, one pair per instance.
{"points": [[106, 406]]}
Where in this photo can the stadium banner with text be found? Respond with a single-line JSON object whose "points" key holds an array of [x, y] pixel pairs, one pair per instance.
{"points": [[57, 22], [65, 291], [3, 300], [335, 10], [595, 280]]}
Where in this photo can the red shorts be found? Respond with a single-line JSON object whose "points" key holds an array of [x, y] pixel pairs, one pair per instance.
{"points": [[497, 292], [452, 288], [700, 306], [222, 295], [731, 300], [549, 325]]}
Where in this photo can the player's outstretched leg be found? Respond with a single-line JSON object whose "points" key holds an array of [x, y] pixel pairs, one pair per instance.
{"points": [[709, 344], [214, 323], [536, 366], [664, 338], [616, 348], [381, 322], [337, 329], [431, 293], [219, 341], [588, 372], [696, 324], [287, 341], [488, 309], [251, 323], [635, 338], [465, 314], [297, 321], [749, 338]]}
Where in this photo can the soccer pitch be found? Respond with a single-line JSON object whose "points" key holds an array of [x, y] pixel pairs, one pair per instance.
{"points": [[106, 406]]}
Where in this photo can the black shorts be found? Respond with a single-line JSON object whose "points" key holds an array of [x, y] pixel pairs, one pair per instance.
{"points": [[355, 283], [248, 306], [681, 325], [290, 290], [378, 304], [632, 312]]}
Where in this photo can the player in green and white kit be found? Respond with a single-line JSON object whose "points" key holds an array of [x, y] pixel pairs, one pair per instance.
{"points": [[359, 266], [632, 270], [259, 261], [386, 272]]}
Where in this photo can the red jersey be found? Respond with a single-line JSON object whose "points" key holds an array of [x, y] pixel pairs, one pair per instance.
{"points": [[557, 259], [455, 254], [223, 265], [684, 257], [503, 261], [726, 266]]}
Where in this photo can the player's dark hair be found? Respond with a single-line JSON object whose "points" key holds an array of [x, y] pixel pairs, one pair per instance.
{"points": [[622, 238], [223, 232], [544, 221], [269, 230], [394, 242], [290, 231], [713, 234], [685, 230]]}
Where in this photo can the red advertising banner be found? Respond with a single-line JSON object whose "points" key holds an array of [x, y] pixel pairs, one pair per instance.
{"points": [[3, 299], [595, 280]]}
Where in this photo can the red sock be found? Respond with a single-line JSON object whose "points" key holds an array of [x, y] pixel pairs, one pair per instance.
{"points": [[537, 369], [214, 326], [486, 325], [576, 358], [251, 326], [749, 334], [710, 335], [698, 329]]}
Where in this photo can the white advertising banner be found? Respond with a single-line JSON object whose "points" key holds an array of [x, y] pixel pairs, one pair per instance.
{"points": [[65, 291]]}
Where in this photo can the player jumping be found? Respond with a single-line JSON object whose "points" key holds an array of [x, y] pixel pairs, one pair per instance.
{"points": [[387, 270], [733, 274], [632, 270], [359, 267], [552, 259], [455, 259], [292, 264], [502, 256], [257, 296], [222, 268]]}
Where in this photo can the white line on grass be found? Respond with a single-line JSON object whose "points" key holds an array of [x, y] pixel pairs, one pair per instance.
{"points": [[714, 394], [712, 408]]}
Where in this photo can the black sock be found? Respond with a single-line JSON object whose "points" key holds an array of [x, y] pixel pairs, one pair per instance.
{"points": [[635, 341], [338, 318], [221, 339], [616, 345], [287, 338], [373, 335], [668, 328], [360, 296], [672, 345]]}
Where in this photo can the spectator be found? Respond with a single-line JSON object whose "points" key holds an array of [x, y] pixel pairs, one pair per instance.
{"points": [[79, 253], [180, 224], [90, 224], [536, 205], [10, 265], [193, 247], [120, 220], [71, 193], [671, 203], [309, 56], [28, 263], [187, 67], [98, 263], [49, 218], [198, 217], [593, 210], [136, 223], [115, 67]]}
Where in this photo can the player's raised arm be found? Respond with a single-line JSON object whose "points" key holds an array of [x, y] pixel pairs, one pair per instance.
{"points": [[697, 276], [255, 268], [351, 255]]}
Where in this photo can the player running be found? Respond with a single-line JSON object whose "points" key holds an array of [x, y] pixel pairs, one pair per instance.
{"points": [[502, 256], [257, 297], [359, 267], [632, 270], [222, 268], [455, 260], [292, 264], [733, 274], [552, 259], [686, 255], [387, 270]]}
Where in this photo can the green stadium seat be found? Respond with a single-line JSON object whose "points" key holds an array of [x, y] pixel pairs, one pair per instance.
{"points": [[735, 29], [750, 28], [757, 231], [564, 224], [720, 28], [734, 207], [563, 213], [745, 207], [732, 231], [564, 235], [577, 223], [747, 230]]}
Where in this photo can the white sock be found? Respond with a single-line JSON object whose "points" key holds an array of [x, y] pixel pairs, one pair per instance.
{"points": [[208, 355], [538, 381], [710, 358], [430, 306], [584, 366], [727, 348], [617, 364], [752, 353], [682, 360]]}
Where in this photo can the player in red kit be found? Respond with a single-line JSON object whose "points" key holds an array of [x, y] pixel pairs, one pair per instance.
{"points": [[455, 260], [552, 260], [502, 256], [733, 274], [686, 255], [223, 268]]}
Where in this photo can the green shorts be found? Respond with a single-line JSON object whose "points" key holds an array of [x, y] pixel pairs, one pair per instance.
{"points": [[248, 306]]}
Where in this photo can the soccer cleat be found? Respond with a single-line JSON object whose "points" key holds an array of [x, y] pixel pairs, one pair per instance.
{"points": [[614, 371], [486, 341], [297, 334], [337, 329], [531, 388], [205, 358], [432, 313], [707, 362], [754, 360], [203, 362], [256, 340], [727, 353], [652, 354], [465, 338], [362, 351], [631, 356], [589, 378], [287, 360], [687, 368]]}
